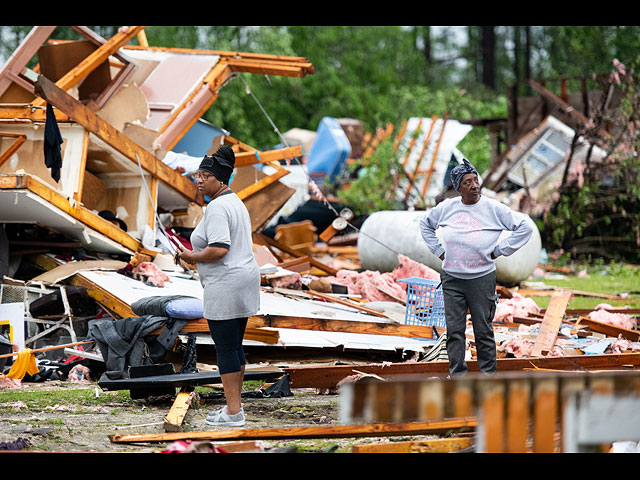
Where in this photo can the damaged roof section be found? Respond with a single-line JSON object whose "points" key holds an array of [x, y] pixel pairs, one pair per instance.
{"points": [[120, 110]]}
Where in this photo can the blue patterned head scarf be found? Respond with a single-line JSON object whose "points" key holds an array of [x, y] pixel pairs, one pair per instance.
{"points": [[460, 171]]}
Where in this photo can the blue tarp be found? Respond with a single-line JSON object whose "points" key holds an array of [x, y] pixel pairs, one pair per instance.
{"points": [[329, 151]]}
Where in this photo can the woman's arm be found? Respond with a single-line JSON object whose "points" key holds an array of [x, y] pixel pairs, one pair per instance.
{"points": [[207, 255]]}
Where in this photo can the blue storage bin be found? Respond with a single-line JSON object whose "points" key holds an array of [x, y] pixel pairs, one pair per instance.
{"points": [[425, 303], [329, 151]]}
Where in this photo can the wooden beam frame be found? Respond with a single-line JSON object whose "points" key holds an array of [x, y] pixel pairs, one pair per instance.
{"points": [[114, 138], [89, 64]]}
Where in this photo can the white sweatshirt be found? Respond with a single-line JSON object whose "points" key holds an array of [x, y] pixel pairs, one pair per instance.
{"points": [[470, 234]]}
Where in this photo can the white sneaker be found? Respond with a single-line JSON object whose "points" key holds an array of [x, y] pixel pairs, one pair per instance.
{"points": [[216, 413], [222, 418]]}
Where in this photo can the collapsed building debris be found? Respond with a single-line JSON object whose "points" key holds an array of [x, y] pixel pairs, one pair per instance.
{"points": [[121, 153]]}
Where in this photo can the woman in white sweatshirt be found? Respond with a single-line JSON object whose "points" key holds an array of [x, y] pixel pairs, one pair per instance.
{"points": [[471, 226]]}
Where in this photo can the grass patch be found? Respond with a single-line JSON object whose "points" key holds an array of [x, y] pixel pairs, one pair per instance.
{"points": [[40, 399], [613, 279]]}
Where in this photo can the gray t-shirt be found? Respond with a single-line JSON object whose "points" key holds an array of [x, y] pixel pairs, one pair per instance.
{"points": [[471, 233], [231, 284]]}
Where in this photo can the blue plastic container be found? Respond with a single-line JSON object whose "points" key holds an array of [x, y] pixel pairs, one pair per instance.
{"points": [[329, 151], [425, 303]]}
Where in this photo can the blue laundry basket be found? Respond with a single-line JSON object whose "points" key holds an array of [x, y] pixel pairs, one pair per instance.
{"points": [[425, 303]]}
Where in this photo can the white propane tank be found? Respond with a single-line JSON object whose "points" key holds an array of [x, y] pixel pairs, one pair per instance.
{"points": [[386, 233]]}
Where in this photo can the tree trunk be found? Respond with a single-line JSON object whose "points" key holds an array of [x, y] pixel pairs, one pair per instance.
{"points": [[488, 44]]}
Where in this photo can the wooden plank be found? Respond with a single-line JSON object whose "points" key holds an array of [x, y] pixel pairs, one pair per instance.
{"points": [[329, 376], [341, 431], [427, 180], [262, 183], [545, 414], [491, 416], [551, 323], [347, 303], [174, 419], [438, 445], [345, 326], [609, 330], [517, 422], [82, 168], [254, 157], [114, 138], [17, 113]]}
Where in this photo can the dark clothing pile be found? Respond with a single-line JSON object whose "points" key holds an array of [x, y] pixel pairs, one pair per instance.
{"points": [[127, 342]]}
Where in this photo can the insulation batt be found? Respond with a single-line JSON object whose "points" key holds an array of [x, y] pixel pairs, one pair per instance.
{"points": [[521, 347], [619, 320], [151, 273], [293, 281], [621, 345], [518, 306], [371, 285]]}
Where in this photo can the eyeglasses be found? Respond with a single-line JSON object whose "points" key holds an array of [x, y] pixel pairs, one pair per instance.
{"points": [[202, 176]]}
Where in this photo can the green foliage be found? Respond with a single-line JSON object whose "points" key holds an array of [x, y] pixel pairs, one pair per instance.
{"points": [[372, 190]]}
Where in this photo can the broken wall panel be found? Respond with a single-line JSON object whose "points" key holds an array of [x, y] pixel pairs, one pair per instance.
{"points": [[118, 114]]}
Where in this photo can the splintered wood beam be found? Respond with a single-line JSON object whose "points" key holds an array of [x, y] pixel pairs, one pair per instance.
{"points": [[17, 113], [20, 138], [25, 52], [341, 431], [330, 298], [330, 376], [174, 419], [267, 68], [253, 157], [218, 75], [92, 61], [551, 323], [325, 325], [84, 116], [263, 183]]}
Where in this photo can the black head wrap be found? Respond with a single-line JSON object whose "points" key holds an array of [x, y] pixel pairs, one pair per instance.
{"points": [[460, 171], [220, 164]]}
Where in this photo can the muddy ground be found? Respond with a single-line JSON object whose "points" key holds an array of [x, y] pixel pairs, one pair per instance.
{"points": [[86, 416]]}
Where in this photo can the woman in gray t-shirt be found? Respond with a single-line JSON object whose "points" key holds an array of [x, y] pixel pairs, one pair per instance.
{"points": [[229, 274]]}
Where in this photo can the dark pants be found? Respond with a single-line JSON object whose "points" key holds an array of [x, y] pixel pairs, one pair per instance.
{"points": [[479, 296], [227, 336]]}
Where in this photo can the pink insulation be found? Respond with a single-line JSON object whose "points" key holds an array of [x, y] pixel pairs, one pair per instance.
{"points": [[292, 282], [522, 347], [151, 274], [621, 345], [517, 306], [372, 285], [518, 347], [619, 320]]}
